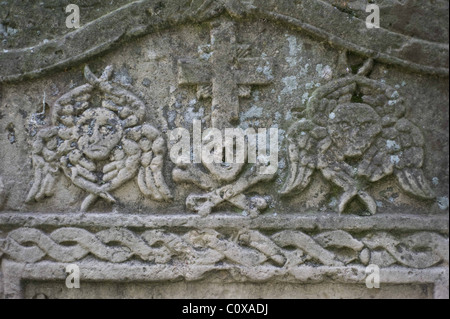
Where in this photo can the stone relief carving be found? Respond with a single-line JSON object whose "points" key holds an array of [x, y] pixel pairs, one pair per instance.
{"points": [[250, 248], [99, 142], [229, 75], [354, 132]]}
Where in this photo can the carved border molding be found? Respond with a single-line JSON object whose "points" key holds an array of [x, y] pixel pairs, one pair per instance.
{"points": [[16, 273], [140, 18], [293, 221], [296, 248]]}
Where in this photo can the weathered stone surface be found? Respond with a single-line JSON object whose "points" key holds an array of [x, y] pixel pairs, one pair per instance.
{"points": [[212, 290], [87, 169]]}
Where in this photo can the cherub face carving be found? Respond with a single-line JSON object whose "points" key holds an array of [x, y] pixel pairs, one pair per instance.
{"points": [[99, 148], [353, 127], [356, 144], [99, 131]]}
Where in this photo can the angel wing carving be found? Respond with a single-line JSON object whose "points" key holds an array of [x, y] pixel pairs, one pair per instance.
{"points": [[399, 150], [302, 156], [45, 165], [354, 144], [99, 146]]}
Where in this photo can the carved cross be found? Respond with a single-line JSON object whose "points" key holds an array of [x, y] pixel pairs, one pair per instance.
{"points": [[227, 75]]}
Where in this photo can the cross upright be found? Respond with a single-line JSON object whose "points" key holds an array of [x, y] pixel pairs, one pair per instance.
{"points": [[228, 74]]}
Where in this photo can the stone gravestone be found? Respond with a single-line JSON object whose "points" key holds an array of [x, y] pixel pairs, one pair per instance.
{"points": [[355, 118]]}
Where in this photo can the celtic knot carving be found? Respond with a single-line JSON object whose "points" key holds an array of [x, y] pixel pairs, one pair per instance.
{"points": [[248, 248]]}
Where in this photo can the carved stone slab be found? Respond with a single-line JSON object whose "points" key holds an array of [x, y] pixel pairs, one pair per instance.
{"points": [[90, 123]]}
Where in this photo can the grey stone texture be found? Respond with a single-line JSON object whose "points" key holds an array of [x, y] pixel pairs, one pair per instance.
{"points": [[86, 175]]}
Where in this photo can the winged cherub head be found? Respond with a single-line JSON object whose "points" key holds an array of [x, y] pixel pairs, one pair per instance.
{"points": [[99, 142], [356, 144]]}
